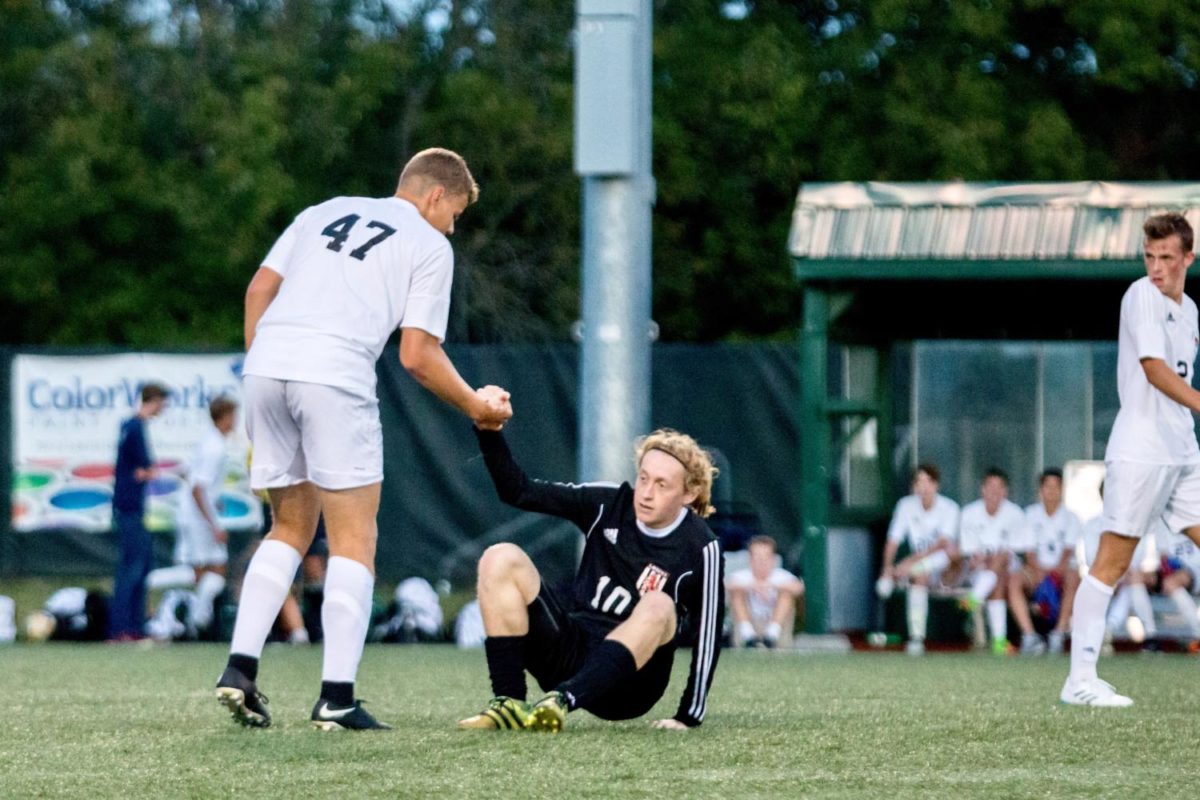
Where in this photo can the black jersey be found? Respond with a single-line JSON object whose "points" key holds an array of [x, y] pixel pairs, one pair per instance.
{"points": [[621, 562]]}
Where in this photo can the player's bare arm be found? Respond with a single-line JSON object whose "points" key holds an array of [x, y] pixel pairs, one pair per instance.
{"points": [[1167, 381], [263, 288], [422, 355]]}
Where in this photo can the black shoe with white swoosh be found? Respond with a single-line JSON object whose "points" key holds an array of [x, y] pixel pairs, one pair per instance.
{"points": [[327, 716]]}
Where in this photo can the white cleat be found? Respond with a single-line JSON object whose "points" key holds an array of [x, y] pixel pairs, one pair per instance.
{"points": [[1094, 692], [915, 647]]}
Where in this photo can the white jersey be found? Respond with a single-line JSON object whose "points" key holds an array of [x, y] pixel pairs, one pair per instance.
{"points": [[1182, 550], [985, 534], [761, 597], [206, 470], [1049, 536], [354, 270], [923, 527], [1151, 428]]}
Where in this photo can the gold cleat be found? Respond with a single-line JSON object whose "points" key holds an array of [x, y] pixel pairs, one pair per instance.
{"points": [[549, 714], [502, 713]]}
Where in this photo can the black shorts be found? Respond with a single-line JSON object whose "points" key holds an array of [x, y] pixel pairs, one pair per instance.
{"points": [[558, 644]]}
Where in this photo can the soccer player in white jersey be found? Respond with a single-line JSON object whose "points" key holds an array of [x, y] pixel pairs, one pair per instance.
{"points": [[200, 540], [928, 521], [987, 532], [1152, 461], [337, 283], [1051, 533]]}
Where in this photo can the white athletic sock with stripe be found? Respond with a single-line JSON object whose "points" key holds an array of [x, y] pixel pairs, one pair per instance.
{"points": [[268, 580], [1087, 627], [1143, 608], [982, 584], [918, 611], [997, 614], [1187, 607], [345, 616]]}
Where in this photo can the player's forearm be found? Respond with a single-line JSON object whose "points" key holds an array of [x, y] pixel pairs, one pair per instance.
{"points": [[422, 356], [202, 504], [1167, 381]]}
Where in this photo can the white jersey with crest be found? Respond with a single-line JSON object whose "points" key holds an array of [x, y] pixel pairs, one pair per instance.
{"points": [[984, 533], [1151, 428], [354, 270], [1048, 536], [923, 527]]}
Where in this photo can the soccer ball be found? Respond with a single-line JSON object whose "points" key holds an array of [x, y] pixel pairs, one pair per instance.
{"points": [[39, 626]]}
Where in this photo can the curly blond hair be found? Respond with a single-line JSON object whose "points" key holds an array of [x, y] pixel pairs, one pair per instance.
{"points": [[697, 463]]}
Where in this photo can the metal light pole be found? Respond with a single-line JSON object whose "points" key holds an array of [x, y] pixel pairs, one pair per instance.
{"points": [[612, 157]]}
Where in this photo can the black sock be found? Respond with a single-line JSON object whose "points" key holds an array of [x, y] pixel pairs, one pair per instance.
{"points": [[605, 667], [340, 694], [506, 665], [247, 665]]}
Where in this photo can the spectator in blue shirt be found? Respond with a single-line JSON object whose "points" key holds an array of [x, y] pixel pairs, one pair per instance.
{"points": [[135, 557]]}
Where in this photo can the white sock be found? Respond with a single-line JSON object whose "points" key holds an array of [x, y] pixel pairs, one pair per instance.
{"points": [[1187, 606], [268, 580], [345, 616], [1087, 626], [211, 584], [997, 614], [918, 611], [746, 631], [774, 629], [1139, 597], [180, 576], [982, 583], [1118, 610]]}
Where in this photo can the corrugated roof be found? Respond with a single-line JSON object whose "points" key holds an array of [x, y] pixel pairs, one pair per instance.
{"points": [[1084, 221]]}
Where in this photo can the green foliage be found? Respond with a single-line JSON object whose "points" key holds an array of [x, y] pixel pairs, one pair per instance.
{"points": [[149, 158]]}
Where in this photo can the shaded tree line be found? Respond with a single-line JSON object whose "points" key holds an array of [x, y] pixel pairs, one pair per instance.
{"points": [[150, 154]]}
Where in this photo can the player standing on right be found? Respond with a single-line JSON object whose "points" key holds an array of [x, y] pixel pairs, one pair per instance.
{"points": [[337, 283], [1152, 461]]}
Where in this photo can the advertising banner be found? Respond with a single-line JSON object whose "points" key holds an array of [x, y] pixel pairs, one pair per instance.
{"points": [[67, 411]]}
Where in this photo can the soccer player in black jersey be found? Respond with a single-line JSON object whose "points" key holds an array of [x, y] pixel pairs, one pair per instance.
{"points": [[649, 561]]}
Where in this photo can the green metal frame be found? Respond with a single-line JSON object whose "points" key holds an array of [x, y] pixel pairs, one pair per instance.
{"points": [[819, 452]]}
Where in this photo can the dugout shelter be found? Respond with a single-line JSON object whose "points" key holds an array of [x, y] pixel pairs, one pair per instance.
{"points": [[967, 323]]}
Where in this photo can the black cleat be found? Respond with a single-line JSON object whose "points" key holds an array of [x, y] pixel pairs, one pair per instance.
{"points": [[239, 694], [327, 717]]}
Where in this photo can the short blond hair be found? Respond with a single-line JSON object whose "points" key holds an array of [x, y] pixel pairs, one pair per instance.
{"points": [[697, 463], [438, 166]]}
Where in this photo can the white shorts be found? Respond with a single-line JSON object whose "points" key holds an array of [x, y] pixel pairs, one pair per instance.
{"points": [[195, 545], [311, 432], [1137, 495]]}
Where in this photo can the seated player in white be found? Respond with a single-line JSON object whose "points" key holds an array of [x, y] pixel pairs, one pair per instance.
{"points": [[1051, 533], [1181, 581], [762, 598], [1152, 463], [987, 532], [928, 522]]}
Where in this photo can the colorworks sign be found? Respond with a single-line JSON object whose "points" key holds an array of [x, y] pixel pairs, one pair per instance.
{"points": [[66, 414]]}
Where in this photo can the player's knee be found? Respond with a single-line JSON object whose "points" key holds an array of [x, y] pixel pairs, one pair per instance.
{"points": [[657, 608], [502, 561]]}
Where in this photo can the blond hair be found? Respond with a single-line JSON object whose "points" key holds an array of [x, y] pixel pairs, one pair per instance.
{"points": [[697, 463], [438, 166]]}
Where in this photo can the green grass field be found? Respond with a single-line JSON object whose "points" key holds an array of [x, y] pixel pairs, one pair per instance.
{"points": [[126, 721]]}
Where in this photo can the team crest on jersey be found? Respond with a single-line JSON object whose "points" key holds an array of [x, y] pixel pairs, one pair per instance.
{"points": [[654, 579], [611, 535]]}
